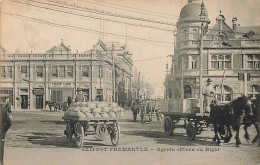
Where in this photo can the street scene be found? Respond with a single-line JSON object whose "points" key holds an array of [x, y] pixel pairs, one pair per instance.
{"points": [[42, 140], [130, 82]]}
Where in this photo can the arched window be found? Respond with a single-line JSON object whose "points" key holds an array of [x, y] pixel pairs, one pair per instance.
{"points": [[223, 94], [187, 91], [185, 34], [195, 34]]}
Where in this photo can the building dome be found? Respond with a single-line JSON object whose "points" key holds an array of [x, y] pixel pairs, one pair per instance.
{"points": [[192, 12]]}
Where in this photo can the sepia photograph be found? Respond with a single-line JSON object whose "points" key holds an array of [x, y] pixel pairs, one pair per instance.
{"points": [[130, 82]]}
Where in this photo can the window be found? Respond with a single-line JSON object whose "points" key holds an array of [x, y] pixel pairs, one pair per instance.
{"points": [[223, 94], [190, 62], [54, 71], [9, 72], [24, 71], [185, 34], [220, 62], [62, 71], [195, 34], [254, 91], [100, 71], [85, 70], [187, 91], [252, 61], [39, 71], [56, 96], [6, 95], [2, 72], [70, 71], [194, 62], [99, 95]]}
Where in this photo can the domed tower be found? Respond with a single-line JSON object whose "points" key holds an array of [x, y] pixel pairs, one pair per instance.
{"points": [[186, 50], [192, 16]]}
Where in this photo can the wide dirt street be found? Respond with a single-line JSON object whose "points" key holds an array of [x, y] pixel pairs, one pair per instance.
{"points": [[37, 138]]}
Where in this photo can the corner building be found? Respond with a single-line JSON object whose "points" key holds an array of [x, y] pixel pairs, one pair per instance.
{"points": [[230, 55], [28, 80]]}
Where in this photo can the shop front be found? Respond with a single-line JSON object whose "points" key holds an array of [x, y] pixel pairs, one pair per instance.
{"points": [[7, 95]]}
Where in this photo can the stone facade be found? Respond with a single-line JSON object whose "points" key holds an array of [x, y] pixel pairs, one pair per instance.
{"points": [[28, 80], [230, 56]]}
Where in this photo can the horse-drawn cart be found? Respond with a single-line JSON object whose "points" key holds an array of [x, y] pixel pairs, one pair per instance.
{"points": [[92, 118], [81, 127], [188, 111]]}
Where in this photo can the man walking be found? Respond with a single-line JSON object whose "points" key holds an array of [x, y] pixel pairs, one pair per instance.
{"points": [[5, 124], [209, 93], [135, 109]]}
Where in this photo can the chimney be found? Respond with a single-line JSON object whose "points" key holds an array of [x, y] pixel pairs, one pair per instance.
{"points": [[234, 21]]}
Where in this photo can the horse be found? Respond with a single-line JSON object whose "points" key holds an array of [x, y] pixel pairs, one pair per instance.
{"points": [[253, 119], [227, 115]]}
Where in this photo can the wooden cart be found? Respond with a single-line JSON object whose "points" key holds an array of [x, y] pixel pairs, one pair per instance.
{"points": [[81, 127], [194, 121]]}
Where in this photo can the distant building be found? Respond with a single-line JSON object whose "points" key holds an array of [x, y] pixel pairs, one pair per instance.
{"points": [[28, 80], [230, 55]]}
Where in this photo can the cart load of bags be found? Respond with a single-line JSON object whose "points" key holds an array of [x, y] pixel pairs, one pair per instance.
{"points": [[94, 110]]}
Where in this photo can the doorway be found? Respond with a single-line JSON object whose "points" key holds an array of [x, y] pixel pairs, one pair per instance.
{"points": [[39, 101], [24, 103]]}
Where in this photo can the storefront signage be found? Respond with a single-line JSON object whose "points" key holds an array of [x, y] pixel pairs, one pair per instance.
{"points": [[38, 91], [61, 84]]}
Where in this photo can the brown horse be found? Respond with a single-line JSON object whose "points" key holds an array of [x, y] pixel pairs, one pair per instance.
{"points": [[232, 114]]}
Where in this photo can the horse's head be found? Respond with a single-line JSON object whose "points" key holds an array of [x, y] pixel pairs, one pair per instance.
{"points": [[244, 103]]}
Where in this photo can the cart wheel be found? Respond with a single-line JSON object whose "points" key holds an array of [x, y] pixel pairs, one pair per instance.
{"points": [[68, 132], [191, 130], [79, 134], [101, 132], [115, 134], [168, 126]]}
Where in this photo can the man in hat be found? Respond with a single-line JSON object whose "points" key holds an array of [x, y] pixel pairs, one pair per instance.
{"points": [[209, 92], [79, 97], [5, 124]]}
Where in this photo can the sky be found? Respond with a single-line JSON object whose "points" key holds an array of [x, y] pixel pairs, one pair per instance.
{"points": [[149, 51]]}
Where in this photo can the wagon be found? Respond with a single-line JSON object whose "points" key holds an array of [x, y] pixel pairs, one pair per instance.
{"points": [[82, 127], [147, 110], [188, 111]]}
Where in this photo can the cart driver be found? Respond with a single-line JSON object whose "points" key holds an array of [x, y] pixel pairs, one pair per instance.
{"points": [[209, 92], [79, 96]]}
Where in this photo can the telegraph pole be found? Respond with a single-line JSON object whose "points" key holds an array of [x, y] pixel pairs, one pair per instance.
{"points": [[114, 74], [201, 69]]}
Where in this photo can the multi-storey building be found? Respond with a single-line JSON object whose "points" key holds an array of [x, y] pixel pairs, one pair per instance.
{"points": [[28, 80], [230, 55]]}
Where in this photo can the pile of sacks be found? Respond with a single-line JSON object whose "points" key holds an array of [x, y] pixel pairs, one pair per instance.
{"points": [[94, 109]]}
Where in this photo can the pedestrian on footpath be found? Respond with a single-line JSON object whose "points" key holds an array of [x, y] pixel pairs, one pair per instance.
{"points": [[135, 109], [5, 124]]}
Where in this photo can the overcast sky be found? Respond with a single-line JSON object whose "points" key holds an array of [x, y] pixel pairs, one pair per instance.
{"points": [[25, 35]]}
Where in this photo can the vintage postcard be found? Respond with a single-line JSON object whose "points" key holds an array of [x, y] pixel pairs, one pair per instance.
{"points": [[129, 82]]}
